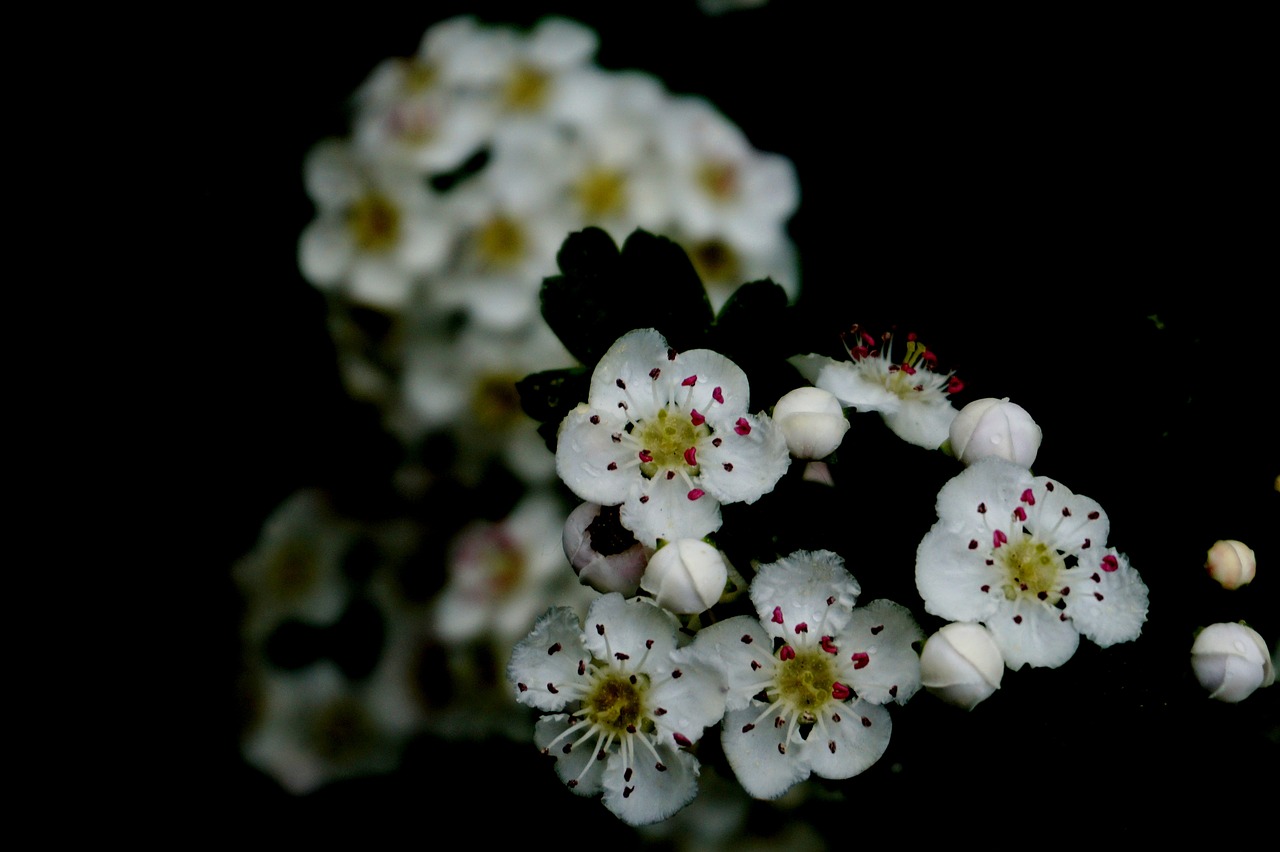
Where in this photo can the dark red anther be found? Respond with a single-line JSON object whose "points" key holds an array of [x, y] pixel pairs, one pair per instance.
{"points": [[728, 467], [742, 427], [644, 498], [595, 420], [621, 384], [1093, 516], [695, 493], [748, 727], [777, 615], [908, 369], [746, 639], [998, 538], [831, 746], [582, 667], [954, 385], [690, 381], [599, 629], [554, 648], [1020, 513], [671, 354], [1028, 498], [1110, 563], [1017, 619], [973, 544], [860, 659], [681, 739], [982, 508], [618, 655], [697, 418], [551, 687], [717, 395], [522, 687], [691, 456], [875, 631], [611, 466], [715, 442], [866, 723], [654, 373], [786, 652], [645, 456], [826, 644], [802, 627]]}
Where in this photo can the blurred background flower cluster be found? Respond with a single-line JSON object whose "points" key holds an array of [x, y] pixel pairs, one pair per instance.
{"points": [[386, 196]]}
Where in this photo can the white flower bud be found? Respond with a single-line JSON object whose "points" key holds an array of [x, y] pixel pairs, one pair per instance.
{"points": [[812, 421], [686, 576], [995, 427], [961, 664], [604, 555], [1231, 563], [1231, 661]]}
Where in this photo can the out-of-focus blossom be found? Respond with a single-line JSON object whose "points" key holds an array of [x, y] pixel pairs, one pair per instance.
{"points": [[377, 228], [604, 554], [295, 570], [686, 576], [1231, 661], [812, 421], [995, 427], [910, 397], [807, 681], [636, 704], [1231, 563], [667, 436], [1029, 559], [961, 664]]}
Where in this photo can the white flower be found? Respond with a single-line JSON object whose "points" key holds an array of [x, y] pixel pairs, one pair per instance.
{"points": [[635, 704], [995, 427], [909, 395], [961, 664], [813, 704], [604, 554], [1231, 563], [667, 436], [1029, 559], [1231, 661], [686, 576], [812, 421]]}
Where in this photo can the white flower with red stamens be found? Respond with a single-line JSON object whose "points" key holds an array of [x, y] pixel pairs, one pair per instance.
{"points": [[635, 704], [911, 398], [667, 436], [1029, 559], [806, 682]]}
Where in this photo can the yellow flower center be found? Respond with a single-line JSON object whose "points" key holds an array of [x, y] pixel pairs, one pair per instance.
{"points": [[1032, 567], [501, 242], [667, 437], [526, 89], [375, 221], [602, 192], [804, 683], [616, 703]]}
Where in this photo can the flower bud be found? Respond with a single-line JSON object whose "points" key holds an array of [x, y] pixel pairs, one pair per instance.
{"points": [[603, 553], [812, 422], [995, 427], [1231, 661], [961, 664], [1231, 563], [686, 576]]}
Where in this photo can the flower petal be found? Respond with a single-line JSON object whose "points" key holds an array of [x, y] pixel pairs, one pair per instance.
{"points": [[580, 764], [633, 627], [808, 587], [745, 466], [629, 361], [761, 769], [951, 577], [884, 631], [1114, 608], [857, 744], [1028, 631], [534, 664], [922, 423], [584, 451], [731, 646], [650, 795], [668, 513]]}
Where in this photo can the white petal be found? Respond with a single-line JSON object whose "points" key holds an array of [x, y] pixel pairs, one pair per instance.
{"points": [[535, 665], [950, 576], [584, 451], [694, 701], [1112, 610], [812, 588], [1040, 637], [579, 764], [324, 252], [629, 359], [761, 769], [924, 424], [634, 627], [857, 744], [713, 371], [857, 386], [884, 631], [1063, 519], [650, 795], [756, 461], [668, 513], [380, 283], [991, 482], [724, 645]]}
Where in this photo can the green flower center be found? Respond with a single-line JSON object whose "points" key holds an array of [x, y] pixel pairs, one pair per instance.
{"points": [[667, 437], [616, 702], [1032, 567], [804, 683]]}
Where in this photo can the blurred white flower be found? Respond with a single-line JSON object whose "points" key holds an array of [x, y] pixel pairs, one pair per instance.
{"points": [[805, 683], [1231, 661], [1231, 563], [686, 576], [635, 704], [909, 395], [1029, 559], [667, 436], [995, 427], [812, 421], [961, 664]]}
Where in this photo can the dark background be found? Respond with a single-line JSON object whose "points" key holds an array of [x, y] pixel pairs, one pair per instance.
{"points": [[1025, 193]]}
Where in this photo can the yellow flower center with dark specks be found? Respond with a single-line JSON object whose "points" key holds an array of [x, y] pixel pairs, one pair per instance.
{"points": [[666, 437], [803, 684], [1032, 567]]}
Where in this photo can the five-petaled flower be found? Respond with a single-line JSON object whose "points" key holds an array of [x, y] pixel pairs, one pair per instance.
{"points": [[806, 683], [635, 704], [667, 436], [911, 398], [1029, 559]]}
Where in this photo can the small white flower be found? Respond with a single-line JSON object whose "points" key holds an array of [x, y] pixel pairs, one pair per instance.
{"points": [[1231, 563], [812, 421], [805, 683], [686, 576], [908, 394], [667, 436], [603, 553], [1231, 661], [1029, 559], [995, 427], [635, 704], [961, 664]]}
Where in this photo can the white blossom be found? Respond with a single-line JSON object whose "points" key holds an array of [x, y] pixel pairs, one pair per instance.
{"points": [[807, 681], [1029, 559], [995, 427], [667, 436], [1230, 661], [635, 704]]}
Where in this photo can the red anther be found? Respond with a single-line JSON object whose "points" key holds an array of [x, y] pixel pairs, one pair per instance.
{"points": [[868, 339], [786, 652], [911, 336], [954, 385], [717, 395], [929, 358], [908, 369], [690, 382], [826, 644], [860, 660], [681, 739], [857, 353], [691, 456], [777, 615], [1020, 513], [697, 418], [839, 691], [1028, 498], [646, 456], [998, 538], [742, 427], [695, 493], [802, 627], [1110, 563]]}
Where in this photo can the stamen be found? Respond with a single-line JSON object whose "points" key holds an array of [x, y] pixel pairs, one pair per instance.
{"points": [[681, 739], [802, 627], [691, 456], [646, 456], [777, 615], [654, 373], [839, 691], [717, 395], [554, 648], [690, 381], [860, 660], [742, 427], [826, 644], [696, 418], [998, 538], [875, 631], [786, 652], [1028, 498], [1110, 563], [1093, 516], [595, 420], [695, 493]]}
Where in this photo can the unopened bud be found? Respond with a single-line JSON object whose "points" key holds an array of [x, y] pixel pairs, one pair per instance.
{"points": [[812, 422], [603, 553], [1231, 661], [995, 427], [686, 576], [1231, 563], [961, 664]]}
